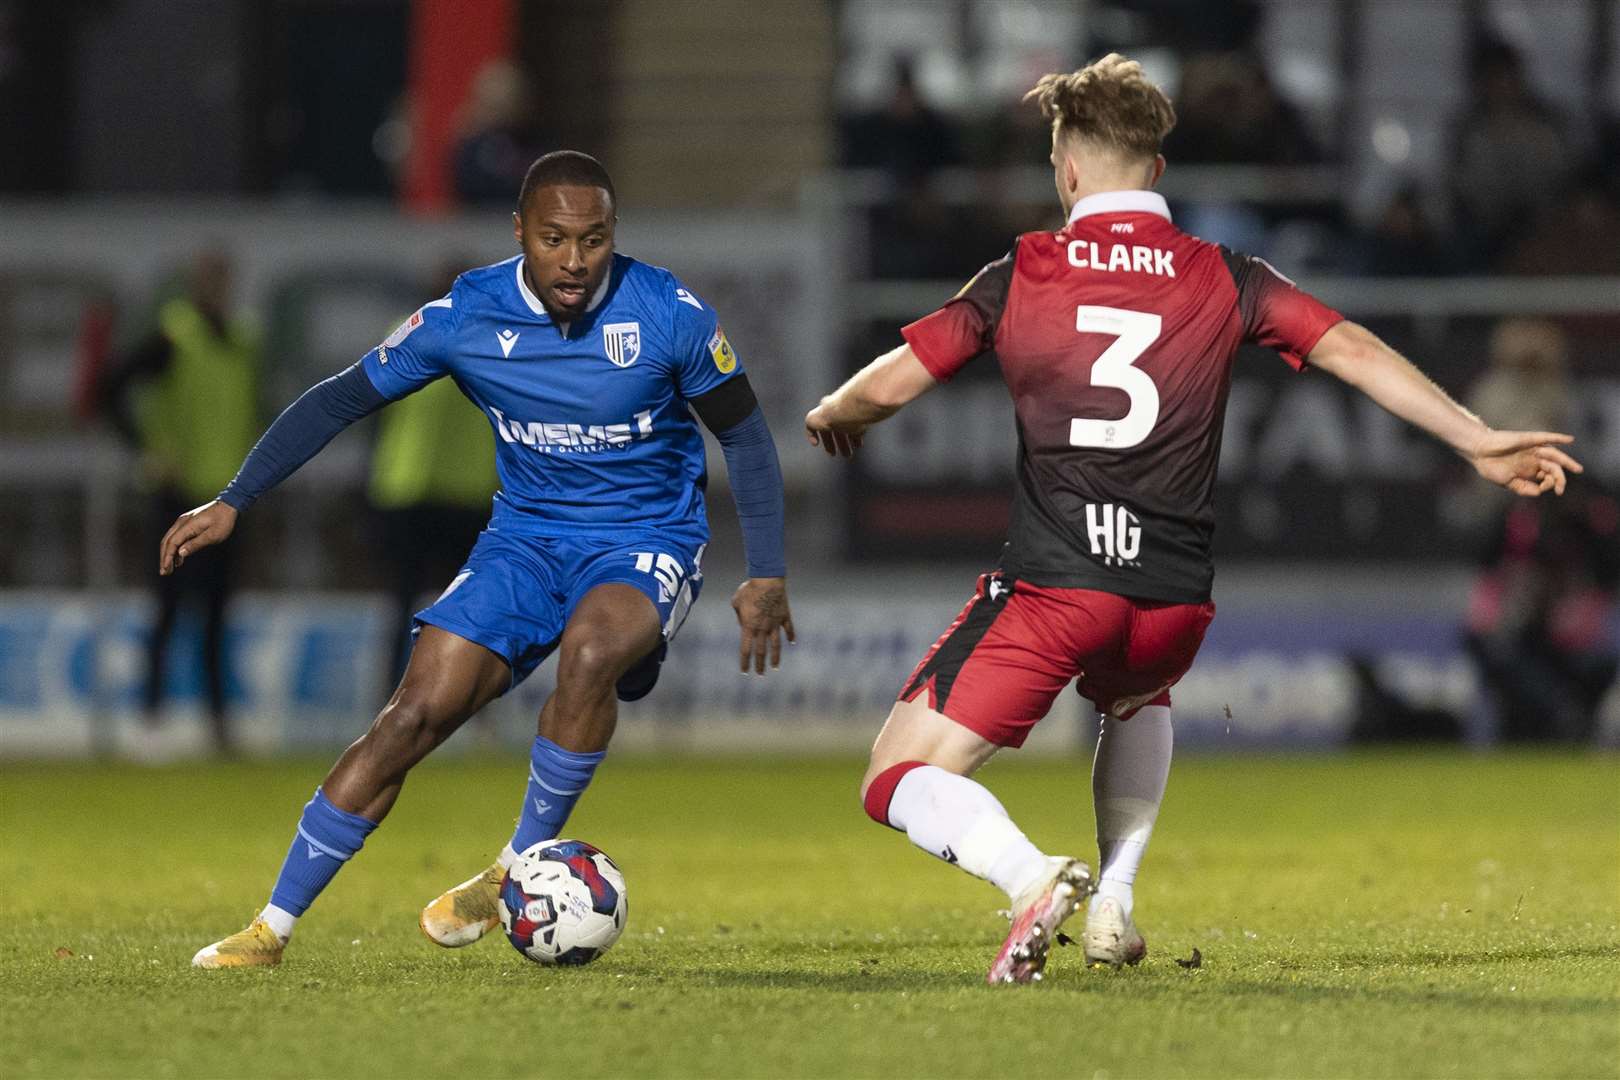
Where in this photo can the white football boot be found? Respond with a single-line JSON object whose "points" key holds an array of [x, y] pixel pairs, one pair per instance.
{"points": [[1111, 937], [1036, 915]]}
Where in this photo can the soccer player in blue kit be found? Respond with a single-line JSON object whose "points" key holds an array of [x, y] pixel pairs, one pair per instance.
{"points": [[585, 362]]}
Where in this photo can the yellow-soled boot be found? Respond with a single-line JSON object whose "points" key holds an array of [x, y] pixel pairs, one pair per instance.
{"points": [[257, 946], [467, 912]]}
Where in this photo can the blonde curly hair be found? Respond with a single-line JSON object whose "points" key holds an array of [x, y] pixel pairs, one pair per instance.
{"points": [[1110, 102]]}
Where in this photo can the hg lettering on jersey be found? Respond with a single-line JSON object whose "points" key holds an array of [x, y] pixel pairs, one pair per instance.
{"points": [[573, 438], [1086, 255], [1115, 534]]}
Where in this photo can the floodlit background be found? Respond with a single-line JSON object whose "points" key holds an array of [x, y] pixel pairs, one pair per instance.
{"points": [[1447, 172]]}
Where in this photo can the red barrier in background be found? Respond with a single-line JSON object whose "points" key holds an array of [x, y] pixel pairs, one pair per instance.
{"points": [[450, 41]]}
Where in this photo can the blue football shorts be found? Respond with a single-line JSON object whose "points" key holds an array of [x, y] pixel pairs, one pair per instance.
{"points": [[515, 593]]}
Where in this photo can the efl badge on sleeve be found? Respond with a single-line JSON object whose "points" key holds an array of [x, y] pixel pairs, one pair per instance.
{"points": [[622, 342], [403, 330], [720, 349]]}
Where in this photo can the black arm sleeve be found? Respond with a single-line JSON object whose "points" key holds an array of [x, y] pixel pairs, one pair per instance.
{"points": [[299, 433], [732, 413], [727, 405]]}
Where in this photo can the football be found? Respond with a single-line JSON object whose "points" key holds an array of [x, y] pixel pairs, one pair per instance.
{"points": [[562, 902]]}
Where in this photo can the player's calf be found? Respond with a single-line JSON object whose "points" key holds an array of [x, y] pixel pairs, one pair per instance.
{"points": [[957, 820], [327, 836], [448, 679], [610, 649]]}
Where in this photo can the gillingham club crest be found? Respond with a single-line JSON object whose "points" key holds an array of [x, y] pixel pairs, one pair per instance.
{"points": [[622, 342]]}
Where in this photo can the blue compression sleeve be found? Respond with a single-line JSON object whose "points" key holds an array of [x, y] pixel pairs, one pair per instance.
{"points": [[756, 484], [299, 433]]}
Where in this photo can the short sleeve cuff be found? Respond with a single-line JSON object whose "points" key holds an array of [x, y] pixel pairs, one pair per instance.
{"points": [[1296, 359], [916, 335], [384, 381]]}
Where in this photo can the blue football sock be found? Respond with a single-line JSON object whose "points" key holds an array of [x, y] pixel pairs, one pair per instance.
{"points": [[327, 838], [557, 778]]}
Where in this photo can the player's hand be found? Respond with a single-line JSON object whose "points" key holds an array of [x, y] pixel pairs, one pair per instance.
{"points": [[1525, 462], [762, 611], [839, 440], [192, 531]]}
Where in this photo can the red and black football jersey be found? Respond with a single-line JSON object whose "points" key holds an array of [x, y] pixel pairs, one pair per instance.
{"points": [[1116, 337]]}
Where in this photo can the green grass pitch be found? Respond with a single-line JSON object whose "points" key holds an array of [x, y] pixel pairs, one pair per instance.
{"points": [[1386, 915]]}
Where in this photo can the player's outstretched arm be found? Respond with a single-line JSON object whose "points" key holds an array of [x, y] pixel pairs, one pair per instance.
{"points": [[1524, 462], [732, 412], [297, 435], [874, 393]]}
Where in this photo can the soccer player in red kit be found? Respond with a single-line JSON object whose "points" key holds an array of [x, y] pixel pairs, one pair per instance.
{"points": [[1115, 336]]}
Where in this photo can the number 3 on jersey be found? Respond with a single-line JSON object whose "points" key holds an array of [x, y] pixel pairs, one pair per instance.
{"points": [[1134, 332]]}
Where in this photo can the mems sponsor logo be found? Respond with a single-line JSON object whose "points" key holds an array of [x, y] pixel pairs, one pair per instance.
{"points": [[550, 437]]}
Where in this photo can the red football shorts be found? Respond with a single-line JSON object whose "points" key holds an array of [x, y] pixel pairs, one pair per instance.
{"points": [[1015, 646]]}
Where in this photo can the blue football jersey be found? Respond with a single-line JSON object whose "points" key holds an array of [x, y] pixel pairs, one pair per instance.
{"points": [[592, 430]]}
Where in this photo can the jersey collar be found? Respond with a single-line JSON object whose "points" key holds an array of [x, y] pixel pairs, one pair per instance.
{"points": [[540, 309], [1120, 202]]}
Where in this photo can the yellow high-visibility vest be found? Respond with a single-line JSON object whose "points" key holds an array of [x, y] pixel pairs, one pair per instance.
{"points": [[435, 447], [204, 415]]}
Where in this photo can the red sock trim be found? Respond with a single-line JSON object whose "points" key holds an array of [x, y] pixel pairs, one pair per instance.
{"points": [[881, 790]]}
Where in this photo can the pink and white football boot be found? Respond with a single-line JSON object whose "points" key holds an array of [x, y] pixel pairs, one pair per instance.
{"points": [[1036, 915]]}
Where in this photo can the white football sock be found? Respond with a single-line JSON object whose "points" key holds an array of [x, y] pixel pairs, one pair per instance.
{"points": [[507, 857], [956, 819], [1127, 785], [279, 920]]}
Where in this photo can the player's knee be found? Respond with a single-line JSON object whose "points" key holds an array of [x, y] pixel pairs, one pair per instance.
{"points": [[877, 788], [404, 731], [592, 661]]}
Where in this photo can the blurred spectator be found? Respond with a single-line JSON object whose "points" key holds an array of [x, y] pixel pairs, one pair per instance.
{"points": [[1187, 26], [1404, 241], [187, 397], [1526, 384], [914, 234], [500, 136], [907, 138], [1541, 615], [1540, 623], [1012, 136], [1512, 157], [432, 477], [1579, 234], [1228, 112], [1528, 378]]}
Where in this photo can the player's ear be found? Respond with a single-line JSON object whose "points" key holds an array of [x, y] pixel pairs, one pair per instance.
{"points": [[1158, 170], [517, 228]]}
